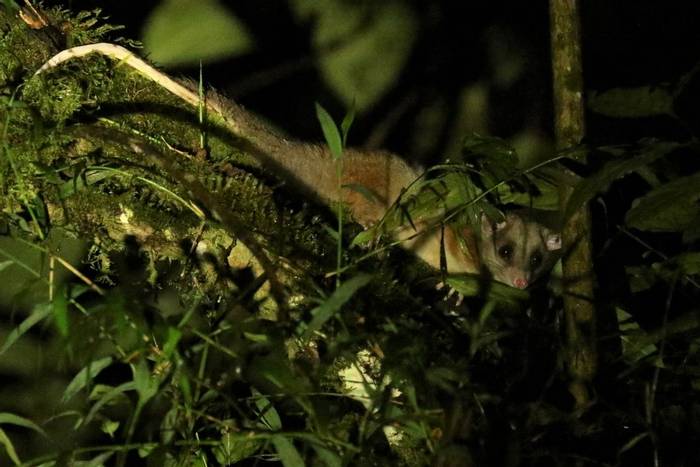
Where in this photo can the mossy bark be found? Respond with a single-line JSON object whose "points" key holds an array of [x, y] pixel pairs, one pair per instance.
{"points": [[93, 148], [579, 310]]}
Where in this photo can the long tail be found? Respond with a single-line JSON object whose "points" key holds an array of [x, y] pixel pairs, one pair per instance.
{"points": [[308, 165], [293, 157], [127, 57]]}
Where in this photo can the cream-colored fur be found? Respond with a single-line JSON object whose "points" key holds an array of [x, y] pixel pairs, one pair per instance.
{"points": [[312, 168]]}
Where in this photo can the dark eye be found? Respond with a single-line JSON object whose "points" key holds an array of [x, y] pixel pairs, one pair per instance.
{"points": [[535, 260], [505, 252]]}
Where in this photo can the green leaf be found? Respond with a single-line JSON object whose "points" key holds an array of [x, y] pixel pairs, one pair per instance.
{"points": [[644, 101], [39, 313], [362, 46], [147, 449], [107, 397], [235, 447], [268, 413], [109, 427], [641, 278], [364, 238], [5, 264], [185, 32], [79, 289], [347, 123], [60, 312], [495, 154], [288, 454], [97, 461], [275, 369], [257, 338], [616, 169], [688, 262], [633, 442], [332, 305], [11, 5], [332, 232], [327, 457], [471, 285], [330, 132], [173, 337], [9, 447], [692, 232], [185, 386], [146, 384], [635, 342], [169, 423], [87, 374], [671, 207], [443, 377], [87, 178], [12, 419]]}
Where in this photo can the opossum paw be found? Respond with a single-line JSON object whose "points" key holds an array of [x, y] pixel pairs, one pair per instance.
{"points": [[451, 292]]}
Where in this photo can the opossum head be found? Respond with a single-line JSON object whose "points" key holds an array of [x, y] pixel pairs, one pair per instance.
{"points": [[516, 250]]}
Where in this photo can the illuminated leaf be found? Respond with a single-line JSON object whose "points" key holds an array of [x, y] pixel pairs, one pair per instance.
{"points": [[185, 32], [362, 46]]}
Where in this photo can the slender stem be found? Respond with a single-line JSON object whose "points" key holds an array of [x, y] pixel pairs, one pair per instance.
{"points": [[339, 253], [579, 311]]}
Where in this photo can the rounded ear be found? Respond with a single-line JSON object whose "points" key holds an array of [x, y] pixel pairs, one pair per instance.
{"points": [[488, 228], [486, 225], [553, 241]]}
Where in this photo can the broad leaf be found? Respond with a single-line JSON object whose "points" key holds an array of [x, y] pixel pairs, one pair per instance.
{"points": [[332, 305], [493, 155], [614, 170], [288, 454], [235, 447], [362, 46], [268, 414], [644, 101], [330, 132], [39, 313], [671, 207], [106, 398], [692, 231], [85, 375], [689, 262], [471, 285], [146, 383], [185, 32], [635, 342], [327, 457]]}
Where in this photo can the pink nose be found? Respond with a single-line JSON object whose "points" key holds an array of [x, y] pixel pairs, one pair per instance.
{"points": [[520, 282]]}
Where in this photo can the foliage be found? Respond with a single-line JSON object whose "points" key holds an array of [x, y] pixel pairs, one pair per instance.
{"points": [[166, 346], [345, 37], [193, 31]]}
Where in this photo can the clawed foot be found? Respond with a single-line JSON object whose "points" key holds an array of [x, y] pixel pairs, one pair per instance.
{"points": [[450, 292]]}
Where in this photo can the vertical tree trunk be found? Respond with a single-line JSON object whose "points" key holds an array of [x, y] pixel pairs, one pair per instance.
{"points": [[579, 311]]}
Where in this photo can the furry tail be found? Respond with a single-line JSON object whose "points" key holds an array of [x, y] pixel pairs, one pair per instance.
{"points": [[307, 165]]}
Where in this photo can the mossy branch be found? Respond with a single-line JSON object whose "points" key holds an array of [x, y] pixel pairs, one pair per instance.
{"points": [[109, 154]]}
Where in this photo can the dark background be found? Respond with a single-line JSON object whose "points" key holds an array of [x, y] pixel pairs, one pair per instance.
{"points": [[625, 44], [462, 44]]}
